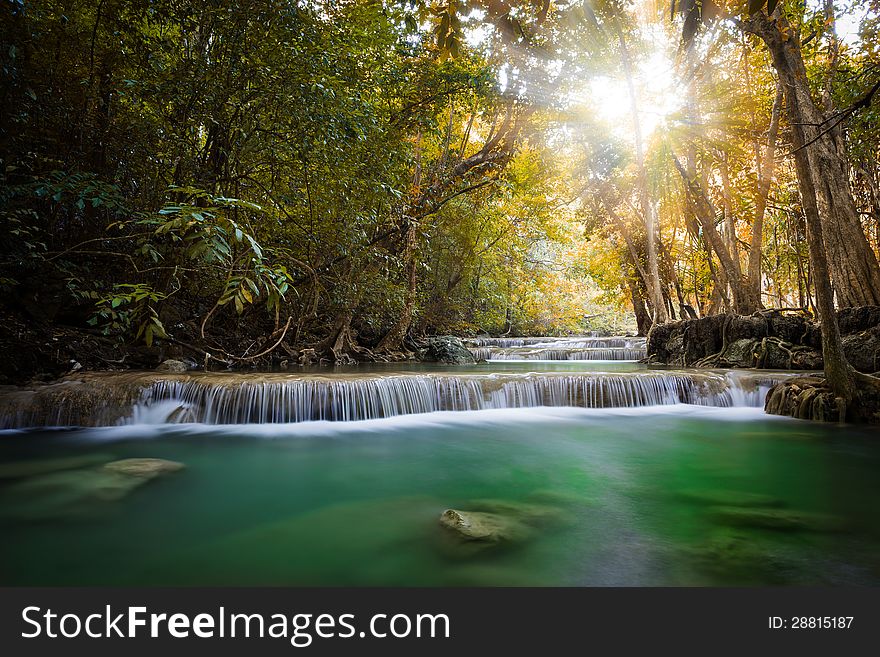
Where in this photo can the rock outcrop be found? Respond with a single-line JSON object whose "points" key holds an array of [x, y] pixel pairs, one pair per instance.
{"points": [[446, 349], [770, 339]]}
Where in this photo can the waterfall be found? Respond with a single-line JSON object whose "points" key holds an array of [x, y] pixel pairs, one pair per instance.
{"points": [[103, 399], [582, 342], [579, 348], [515, 353]]}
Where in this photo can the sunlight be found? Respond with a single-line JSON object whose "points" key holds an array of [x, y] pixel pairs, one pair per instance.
{"points": [[659, 96]]}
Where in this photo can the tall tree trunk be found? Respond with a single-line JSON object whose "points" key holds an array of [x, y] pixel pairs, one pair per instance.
{"points": [[744, 301], [766, 169], [643, 319], [838, 372], [393, 339], [649, 213], [851, 260]]}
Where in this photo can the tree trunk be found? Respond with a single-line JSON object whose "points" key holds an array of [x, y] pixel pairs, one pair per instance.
{"points": [[744, 301], [649, 214], [643, 319], [805, 125], [393, 340], [852, 263], [838, 372], [765, 179]]}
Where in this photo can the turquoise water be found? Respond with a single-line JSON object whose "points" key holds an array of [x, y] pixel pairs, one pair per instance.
{"points": [[676, 495]]}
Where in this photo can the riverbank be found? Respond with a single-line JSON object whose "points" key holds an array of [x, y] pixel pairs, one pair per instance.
{"points": [[770, 339]]}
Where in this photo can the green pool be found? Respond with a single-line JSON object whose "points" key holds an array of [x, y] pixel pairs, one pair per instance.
{"points": [[670, 495]]}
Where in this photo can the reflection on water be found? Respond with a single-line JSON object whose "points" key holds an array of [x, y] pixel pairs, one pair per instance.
{"points": [[676, 495]]}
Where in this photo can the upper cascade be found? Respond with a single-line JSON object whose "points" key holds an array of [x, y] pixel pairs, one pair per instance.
{"points": [[547, 348], [106, 399]]}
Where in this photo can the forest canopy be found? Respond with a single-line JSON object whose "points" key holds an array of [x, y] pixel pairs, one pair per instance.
{"points": [[349, 176]]}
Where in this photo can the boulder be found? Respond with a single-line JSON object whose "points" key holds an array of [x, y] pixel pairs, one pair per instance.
{"points": [[666, 343], [740, 327], [742, 353], [172, 366], [771, 339], [484, 527], [446, 349], [774, 356], [144, 468], [806, 359], [862, 349], [790, 328], [856, 320], [702, 337]]}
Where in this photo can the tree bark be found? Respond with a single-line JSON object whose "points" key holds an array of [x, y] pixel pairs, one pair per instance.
{"points": [[649, 214], [643, 318], [766, 169], [744, 302], [852, 263]]}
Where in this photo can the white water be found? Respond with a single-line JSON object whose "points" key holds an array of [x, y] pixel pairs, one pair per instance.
{"points": [[284, 399], [523, 353], [413, 423], [548, 349], [106, 399]]}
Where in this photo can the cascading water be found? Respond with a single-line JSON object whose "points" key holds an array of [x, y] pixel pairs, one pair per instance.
{"points": [[277, 398], [523, 353], [578, 348]]}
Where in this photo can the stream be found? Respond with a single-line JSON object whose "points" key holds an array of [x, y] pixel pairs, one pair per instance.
{"points": [[611, 472]]}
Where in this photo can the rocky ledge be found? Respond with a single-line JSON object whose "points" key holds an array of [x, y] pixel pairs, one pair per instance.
{"points": [[770, 339]]}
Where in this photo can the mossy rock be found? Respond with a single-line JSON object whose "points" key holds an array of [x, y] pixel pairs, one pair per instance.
{"points": [[739, 559], [73, 493], [173, 366], [144, 468], [491, 528], [779, 519], [731, 498], [447, 349], [742, 353]]}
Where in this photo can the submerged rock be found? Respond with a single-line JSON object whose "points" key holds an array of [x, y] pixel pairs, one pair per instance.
{"points": [[533, 514], [739, 559], [484, 527], [144, 468], [78, 492], [447, 349], [779, 519]]}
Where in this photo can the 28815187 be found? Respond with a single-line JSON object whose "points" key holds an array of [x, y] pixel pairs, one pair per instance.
{"points": [[810, 622]]}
